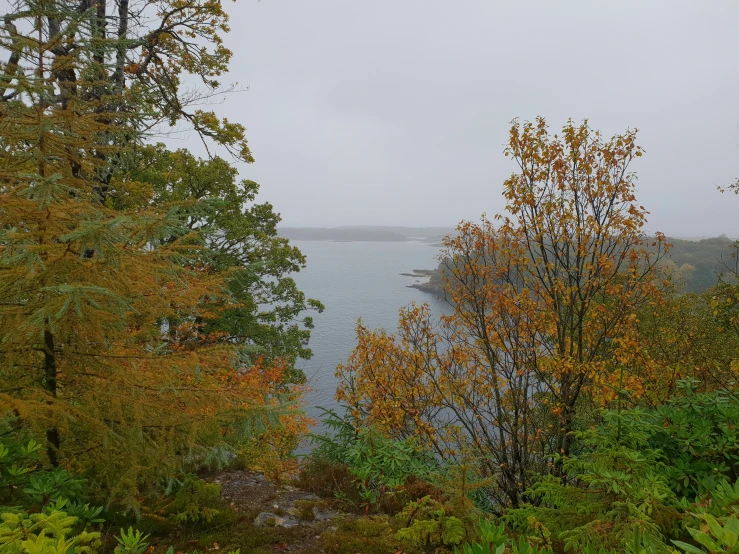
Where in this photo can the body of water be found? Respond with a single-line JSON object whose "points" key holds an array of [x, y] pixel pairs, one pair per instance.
{"points": [[356, 280]]}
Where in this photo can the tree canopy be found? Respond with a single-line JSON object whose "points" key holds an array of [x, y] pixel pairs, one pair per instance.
{"points": [[149, 323]]}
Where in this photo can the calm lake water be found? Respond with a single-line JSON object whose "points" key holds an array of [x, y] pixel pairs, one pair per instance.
{"points": [[356, 280]]}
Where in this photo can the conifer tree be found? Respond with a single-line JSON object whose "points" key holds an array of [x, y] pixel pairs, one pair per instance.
{"points": [[101, 346]]}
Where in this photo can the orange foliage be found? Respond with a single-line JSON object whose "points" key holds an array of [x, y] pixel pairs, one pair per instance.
{"points": [[544, 313], [102, 312]]}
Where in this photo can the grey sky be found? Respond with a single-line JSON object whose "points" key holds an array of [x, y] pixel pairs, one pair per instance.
{"points": [[395, 111]]}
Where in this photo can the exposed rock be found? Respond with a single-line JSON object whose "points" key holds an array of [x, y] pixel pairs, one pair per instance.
{"points": [[291, 511], [320, 514], [268, 519]]}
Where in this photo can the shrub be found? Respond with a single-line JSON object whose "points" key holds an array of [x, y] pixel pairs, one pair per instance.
{"points": [[699, 438], [614, 490], [25, 483], [492, 539], [190, 501], [328, 479], [426, 523], [379, 464], [131, 542], [51, 532], [714, 536], [368, 535]]}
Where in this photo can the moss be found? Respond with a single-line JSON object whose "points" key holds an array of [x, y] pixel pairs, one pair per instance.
{"points": [[243, 536], [369, 535], [304, 510]]}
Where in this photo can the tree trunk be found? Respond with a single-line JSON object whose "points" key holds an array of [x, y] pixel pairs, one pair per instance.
{"points": [[50, 384]]}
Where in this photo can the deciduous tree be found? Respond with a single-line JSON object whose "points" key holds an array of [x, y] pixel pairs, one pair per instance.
{"points": [[240, 243], [545, 313]]}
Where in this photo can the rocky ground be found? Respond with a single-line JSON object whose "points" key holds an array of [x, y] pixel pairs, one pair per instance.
{"points": [[290, 519]]}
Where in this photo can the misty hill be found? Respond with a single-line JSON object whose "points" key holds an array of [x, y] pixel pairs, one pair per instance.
{"points": [[365, 233], [708, 258]]}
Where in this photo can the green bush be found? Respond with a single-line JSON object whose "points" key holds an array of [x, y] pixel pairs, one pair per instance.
{"points": [[52, 532], [380, 464], [698, 435], [714, 536], [426, 523], [615, 489], [25, 483], [368, 535], [492, 539], [131, 542], [196, 501], [191, 501]]}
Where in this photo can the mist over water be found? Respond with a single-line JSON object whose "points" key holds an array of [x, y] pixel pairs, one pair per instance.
{"points": [[356, 280]]}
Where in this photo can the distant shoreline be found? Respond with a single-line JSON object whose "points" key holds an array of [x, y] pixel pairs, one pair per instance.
{"points": [[424, 235]]}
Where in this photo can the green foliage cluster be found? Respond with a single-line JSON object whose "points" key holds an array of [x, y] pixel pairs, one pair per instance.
{"points": [[41, 510], [368, 535], [614, 488], [38, 517], [189, 502], [698, 438], [196, 501], [48, 532], [645, 473], [642, 480], [132, 541], [493, 539], [718, 536], [380, 465], [425, 522], [238, 237], [25, 483]]}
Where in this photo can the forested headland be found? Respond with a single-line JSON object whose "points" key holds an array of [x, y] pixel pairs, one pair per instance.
{"points": [[695, 265], [580, 396]]}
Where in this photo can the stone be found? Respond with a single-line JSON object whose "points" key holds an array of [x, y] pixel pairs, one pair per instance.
{"points": [[268, 519], [323, 515]]}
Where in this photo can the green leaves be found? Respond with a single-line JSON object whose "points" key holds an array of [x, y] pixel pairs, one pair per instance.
{"points": [[131, 542], [428, 523], [699, 437], [24, 482], [617, 483], [44, 533], [378, 462], [493, 539], [53, 485], [236, 237], [714, 536]]}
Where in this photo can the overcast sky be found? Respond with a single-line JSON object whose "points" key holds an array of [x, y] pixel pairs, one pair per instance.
{"points": [[395, 112]]}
